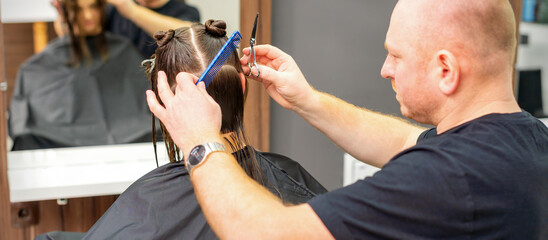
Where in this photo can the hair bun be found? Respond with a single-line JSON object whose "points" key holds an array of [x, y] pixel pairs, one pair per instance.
{"points": [[215, 28], [162, 38]]}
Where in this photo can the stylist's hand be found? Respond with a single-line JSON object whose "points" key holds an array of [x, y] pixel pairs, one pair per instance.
{"points": [[280, 75], [57, 5], [59, 24], [190, 115], [124, 7]]}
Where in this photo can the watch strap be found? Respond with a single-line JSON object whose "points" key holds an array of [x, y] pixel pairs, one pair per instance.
{"points": [[209, 148]]}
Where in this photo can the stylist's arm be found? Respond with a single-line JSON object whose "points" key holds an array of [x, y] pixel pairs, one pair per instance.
{"points": [[348, 126], [235, 206]]}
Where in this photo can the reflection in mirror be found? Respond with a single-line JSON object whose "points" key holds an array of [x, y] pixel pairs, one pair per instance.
{"points": [[34, 111], [84, 88], [34, 173]]}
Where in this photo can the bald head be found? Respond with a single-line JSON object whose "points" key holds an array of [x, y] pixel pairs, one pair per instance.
{"points": [[448, 59], [478, 30]]}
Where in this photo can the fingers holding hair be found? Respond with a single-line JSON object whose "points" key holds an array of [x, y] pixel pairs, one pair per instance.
{"points": [[164, 91], [185, 81], [202, 89], [155, 107]]}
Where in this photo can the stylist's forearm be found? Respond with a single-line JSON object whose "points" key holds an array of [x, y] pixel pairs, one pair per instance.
{"points": [[369, 136], [235, 206], [152, 22]]}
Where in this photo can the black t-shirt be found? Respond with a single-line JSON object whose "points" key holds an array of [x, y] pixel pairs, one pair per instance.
{"points": [[484, 179], [118, 24]]}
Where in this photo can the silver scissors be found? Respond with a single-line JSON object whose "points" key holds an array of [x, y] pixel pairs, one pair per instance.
{"points": [[252, 43]]}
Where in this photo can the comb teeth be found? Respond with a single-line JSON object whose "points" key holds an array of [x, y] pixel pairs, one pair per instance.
{"points": [[220, 59]]}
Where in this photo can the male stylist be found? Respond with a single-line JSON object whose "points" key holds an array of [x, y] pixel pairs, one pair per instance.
{"points": [[481, 174]]}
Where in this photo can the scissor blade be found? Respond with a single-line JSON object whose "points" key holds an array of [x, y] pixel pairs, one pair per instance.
{"points": [[255, 27]]}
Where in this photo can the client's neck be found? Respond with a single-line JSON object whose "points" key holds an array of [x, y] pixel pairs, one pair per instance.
{"points": [[230, 139]]}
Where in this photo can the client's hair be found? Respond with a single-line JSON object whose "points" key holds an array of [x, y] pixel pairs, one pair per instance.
{"points": [[79, 49], [191, 49]]}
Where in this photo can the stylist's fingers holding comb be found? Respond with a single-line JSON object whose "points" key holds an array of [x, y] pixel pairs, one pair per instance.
{"points": [[280, 75]]}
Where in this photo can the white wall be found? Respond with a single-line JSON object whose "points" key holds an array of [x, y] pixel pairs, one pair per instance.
{"points": [[227, 10], [534, 55], [42, 11], [27, 11]]}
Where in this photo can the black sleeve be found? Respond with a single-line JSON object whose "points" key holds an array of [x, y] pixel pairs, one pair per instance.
{"points": [[408, 199], [187, 13], [109, 15], [192, 15], [427, 134]]}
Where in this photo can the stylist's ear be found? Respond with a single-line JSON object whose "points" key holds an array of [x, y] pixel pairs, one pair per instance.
{"points": [[242, 78], [449, 72]]}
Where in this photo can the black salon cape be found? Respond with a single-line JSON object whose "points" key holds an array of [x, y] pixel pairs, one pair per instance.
{"points": [[94, 104], [162, 204]]}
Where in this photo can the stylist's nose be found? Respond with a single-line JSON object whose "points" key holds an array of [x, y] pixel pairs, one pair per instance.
{"points": [[387, 70]]}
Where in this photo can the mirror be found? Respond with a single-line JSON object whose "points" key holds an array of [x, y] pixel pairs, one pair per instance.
{"points": [[19, 20], [24, 19]]}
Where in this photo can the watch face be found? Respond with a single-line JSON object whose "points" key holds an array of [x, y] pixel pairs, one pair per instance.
{"points": [[196, 155]]}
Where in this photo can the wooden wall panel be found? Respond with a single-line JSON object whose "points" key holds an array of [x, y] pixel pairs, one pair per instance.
{"points": [[257, 107], [18, 36], [6, 231]]}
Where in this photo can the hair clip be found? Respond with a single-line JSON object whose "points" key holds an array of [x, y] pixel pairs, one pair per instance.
{"points": [[151, 61]]}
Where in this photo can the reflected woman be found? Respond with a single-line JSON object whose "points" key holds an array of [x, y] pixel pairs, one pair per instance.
{"points": [[85, 88], [162, 204]]}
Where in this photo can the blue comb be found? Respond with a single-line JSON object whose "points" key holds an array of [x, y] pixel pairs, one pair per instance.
{"points": [[220, 59]]}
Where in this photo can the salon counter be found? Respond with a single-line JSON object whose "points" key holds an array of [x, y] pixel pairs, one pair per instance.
{"points": [[544, 120], [36, 175]]}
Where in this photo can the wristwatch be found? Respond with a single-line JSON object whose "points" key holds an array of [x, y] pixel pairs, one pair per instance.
{"points": [[199, 153]]}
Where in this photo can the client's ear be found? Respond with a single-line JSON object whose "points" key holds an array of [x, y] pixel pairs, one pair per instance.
{"points": [[242, 78]]}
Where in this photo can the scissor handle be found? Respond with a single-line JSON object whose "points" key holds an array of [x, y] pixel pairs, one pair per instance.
{"points": [[252, 43]]}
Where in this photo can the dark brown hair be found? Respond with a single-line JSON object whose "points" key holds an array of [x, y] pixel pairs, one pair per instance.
{"points": [[191, 49], [79, 49]]}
